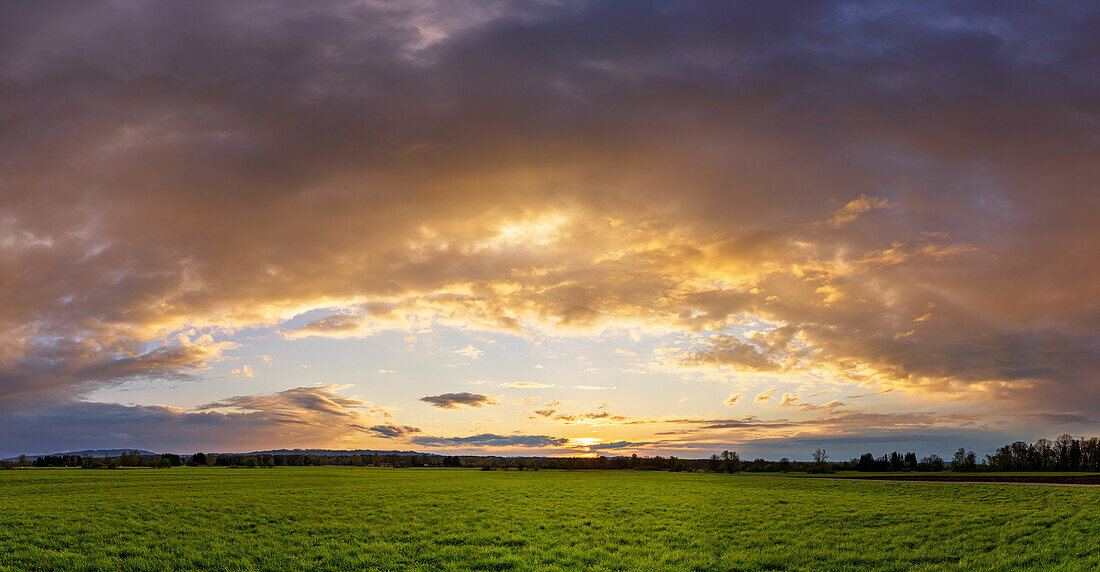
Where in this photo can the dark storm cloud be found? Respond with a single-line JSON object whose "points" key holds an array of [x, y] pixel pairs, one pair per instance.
{"points": [[491, 440], [908, 189], [455, 400], [391, 431]]}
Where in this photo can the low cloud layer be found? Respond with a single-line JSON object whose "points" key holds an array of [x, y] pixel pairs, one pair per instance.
{"points": [[300, 417], [491, 440]]}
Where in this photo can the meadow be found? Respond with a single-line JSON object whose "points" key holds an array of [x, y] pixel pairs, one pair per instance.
{"points": [[432, 519]]}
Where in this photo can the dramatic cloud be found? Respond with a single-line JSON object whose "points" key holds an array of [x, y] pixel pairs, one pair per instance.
{"points": [[63, 364], [456, 400], [888, 195]]}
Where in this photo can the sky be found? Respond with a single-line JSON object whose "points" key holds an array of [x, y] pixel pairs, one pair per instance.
{"points": [[549, 228]]}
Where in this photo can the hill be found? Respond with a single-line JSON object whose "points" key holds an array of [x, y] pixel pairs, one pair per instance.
{"points": [[87, 453]]}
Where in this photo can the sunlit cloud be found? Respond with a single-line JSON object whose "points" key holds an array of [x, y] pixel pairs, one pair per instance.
{"points": [[850, 211], [764, 396], [469, 352]]}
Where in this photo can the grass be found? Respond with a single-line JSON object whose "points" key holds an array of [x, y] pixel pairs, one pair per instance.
{"points": [[976, 475], [432, 519]]}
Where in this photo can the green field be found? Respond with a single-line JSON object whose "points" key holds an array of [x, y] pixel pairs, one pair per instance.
{"points": [[430, 519]]}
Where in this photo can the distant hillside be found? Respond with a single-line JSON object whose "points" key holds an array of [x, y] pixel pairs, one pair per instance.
{"points": [[334, 452], [87, 453], [318, 452]]}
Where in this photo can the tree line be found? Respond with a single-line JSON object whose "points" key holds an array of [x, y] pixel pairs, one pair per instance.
{"points": [[1066, 453], [130, 459]]}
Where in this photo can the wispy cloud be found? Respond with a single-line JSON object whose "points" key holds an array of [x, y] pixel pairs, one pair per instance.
{"points": [[880, 392]]}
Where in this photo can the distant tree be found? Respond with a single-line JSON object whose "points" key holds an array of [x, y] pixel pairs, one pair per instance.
{"points": [[22, 460], [1045, 455], [1075, 455], [251, 462], [958, 462], [1090, 454], [784, 465], [866, 463], [731, 462], [198, 459], [1062, 448], [820, 457], [129, 459], [910, 461], [971, 463], [932, 462], [1020, 456], [895, 461]]}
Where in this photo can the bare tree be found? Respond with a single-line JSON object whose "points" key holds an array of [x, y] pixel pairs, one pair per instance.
{"points": [[820, 457]]}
